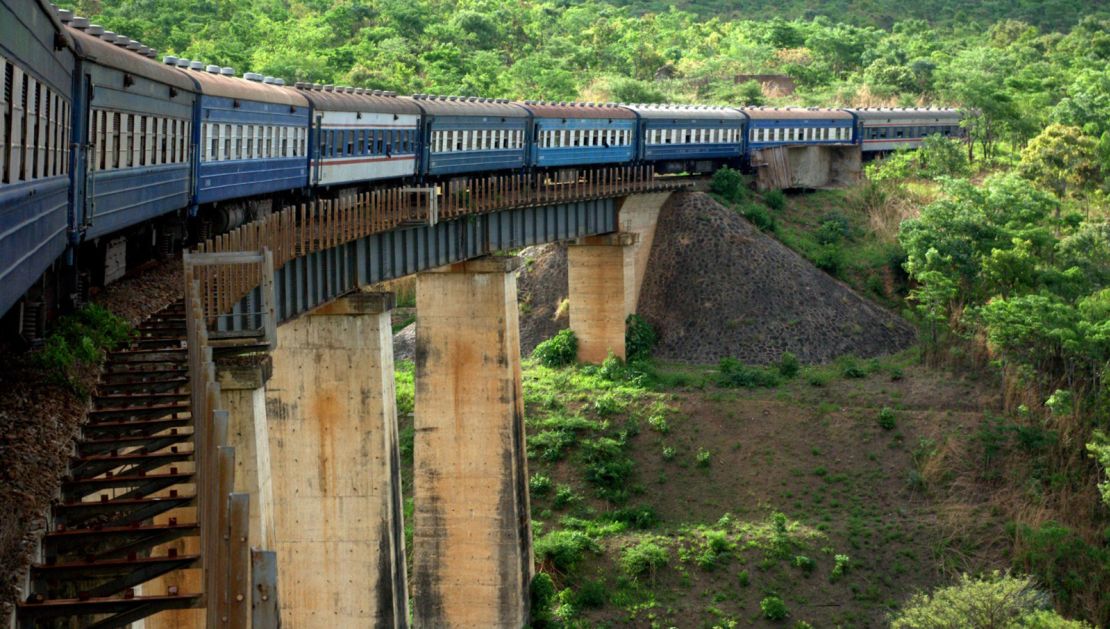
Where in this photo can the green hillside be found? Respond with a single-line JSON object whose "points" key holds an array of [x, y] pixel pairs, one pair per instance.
{"points": [[1051, 15]]}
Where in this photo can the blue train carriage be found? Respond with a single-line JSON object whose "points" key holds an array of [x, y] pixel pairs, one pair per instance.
{"points": [[689, 138], [361, 135], [252, 138], [464, 135], [771, 127], [568, 135], [883, 129], [133, 156], [37, 66]]}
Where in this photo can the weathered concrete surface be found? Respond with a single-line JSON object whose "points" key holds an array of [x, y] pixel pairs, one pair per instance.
{"points": [[806, 166], [638, 215], [472, 547], [602, 289], [335, 466], [243, 396]]}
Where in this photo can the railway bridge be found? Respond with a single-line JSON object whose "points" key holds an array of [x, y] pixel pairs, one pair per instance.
{"points": [[292, 377]]}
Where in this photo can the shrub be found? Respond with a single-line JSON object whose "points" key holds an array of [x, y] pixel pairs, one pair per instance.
{"points": [[81, 339], [704, 457], [744, 579], [834, 227], [646, 557], [539, 484], [850, 367], [733, 373], [612, 369], [842, 564], [886, 418], [789, 365], [806, 564], [758, 216], [775, 199], [591, 595], [405, 387], [542, 594], [659, 423], [564, 549], [773, 608], [994, 601], [608, 467], [669, 453], [558, 351], [639, 337], [642, 517], [829, 258], [564, 497], [608, 404], [729, 183]]}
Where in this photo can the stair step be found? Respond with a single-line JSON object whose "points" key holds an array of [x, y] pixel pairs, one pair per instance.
{"points": [[126, 378], [135, 427], [107, 567], [138, 398], [141, 484], [126, 609], [116, 512], [152, 443], [154, 410], [169, 385], [97, 464]]}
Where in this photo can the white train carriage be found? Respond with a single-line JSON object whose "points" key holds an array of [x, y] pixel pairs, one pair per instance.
{"points": [[361, 135]]}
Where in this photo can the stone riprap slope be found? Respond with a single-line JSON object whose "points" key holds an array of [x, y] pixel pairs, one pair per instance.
{"points": [[716, 286]]}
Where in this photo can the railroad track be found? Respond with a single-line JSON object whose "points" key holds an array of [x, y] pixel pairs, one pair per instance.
{"points": [[127, 497]]}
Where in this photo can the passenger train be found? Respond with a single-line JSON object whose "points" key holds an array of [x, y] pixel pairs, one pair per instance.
{"points": [[108, 156]]}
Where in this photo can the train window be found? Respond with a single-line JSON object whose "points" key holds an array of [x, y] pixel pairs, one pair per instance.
{"points": [[900, 132]]}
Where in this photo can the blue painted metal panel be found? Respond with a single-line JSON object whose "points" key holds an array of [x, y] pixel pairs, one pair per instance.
{"points": [[32, 233], [121, 198]]}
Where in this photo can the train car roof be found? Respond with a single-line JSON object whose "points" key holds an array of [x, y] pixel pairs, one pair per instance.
{"points": [[685, 112], [328, 98], [795, 113], [543, 109], [917, 113], [93, 48], [468, 106], [227, 86]]}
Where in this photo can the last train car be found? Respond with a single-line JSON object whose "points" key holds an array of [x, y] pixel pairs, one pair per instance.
{"points": [[361, 136], [465, 135], [252, 144], [884, 129], [37, 104], [689, 138]]}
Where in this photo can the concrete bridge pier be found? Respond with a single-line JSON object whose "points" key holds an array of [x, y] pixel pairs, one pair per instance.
{"points": [[335, 468], [243, 395], [472, 548], [602, 289]]}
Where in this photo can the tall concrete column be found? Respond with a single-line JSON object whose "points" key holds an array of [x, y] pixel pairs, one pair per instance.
{"points": [[602, 290], [335, 466], [243, 396], [472, 547]]}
